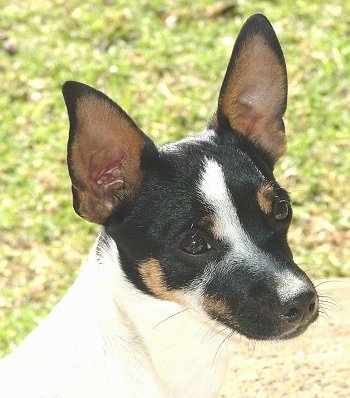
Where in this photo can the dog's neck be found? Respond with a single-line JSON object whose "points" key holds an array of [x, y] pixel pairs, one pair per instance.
{"points": [[186, 352], [106, 326]]}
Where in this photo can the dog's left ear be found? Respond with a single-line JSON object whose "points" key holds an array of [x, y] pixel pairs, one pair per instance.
{"points": [[105, 152], [253, 96]]}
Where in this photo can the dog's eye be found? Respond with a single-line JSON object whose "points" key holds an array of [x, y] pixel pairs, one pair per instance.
{"points": [[281, 210], [195, 244]]}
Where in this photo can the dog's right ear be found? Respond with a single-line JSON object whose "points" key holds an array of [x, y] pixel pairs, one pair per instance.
{"points": [[105, 152], [253, 96]]}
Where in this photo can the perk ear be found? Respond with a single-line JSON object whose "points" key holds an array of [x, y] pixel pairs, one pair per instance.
{"points": [[104, 152], [253, 96]]}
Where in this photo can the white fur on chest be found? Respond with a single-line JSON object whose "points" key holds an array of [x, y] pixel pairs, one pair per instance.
{"points": [[107, 339]]}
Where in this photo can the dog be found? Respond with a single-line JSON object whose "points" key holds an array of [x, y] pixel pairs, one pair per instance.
{"points": [[193, 248]]}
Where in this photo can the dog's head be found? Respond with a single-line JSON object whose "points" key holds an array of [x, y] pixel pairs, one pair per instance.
{"points": [[202, 221]]}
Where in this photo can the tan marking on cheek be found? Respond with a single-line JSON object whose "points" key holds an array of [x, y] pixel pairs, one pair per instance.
{"points": [[153, 277], [265, 198], [219, 307]]}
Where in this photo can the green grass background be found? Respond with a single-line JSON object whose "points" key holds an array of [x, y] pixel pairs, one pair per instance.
{"points": [[163, 62]]}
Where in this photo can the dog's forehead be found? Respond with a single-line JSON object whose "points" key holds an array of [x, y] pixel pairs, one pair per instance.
{"points": [[193, 152], [190, 142], [222, 176]]}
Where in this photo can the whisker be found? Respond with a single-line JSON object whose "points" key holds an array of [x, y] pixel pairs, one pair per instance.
{"points": [[223, 341], [169, 317], [228, 339], [204, 324], [331, 303], [328, 307], [323, 314], [324, 310], [220, 331], [331, 306], [211, 332], [331, 281]]}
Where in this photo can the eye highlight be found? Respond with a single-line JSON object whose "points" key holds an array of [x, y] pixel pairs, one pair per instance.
{"points": [[281, 210], [194, 243]]}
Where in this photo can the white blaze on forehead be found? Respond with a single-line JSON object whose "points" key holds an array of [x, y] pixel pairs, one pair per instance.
{"points": [[227, 226]]}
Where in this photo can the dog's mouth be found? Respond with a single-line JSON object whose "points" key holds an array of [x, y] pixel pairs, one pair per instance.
{"points": [[267, 329], [280, 330], [291, 334]]}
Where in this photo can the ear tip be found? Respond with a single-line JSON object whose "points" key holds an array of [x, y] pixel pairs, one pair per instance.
{"points": [[258, 19], [68, 85], [71, 88], [259, 24], [72, 91]]}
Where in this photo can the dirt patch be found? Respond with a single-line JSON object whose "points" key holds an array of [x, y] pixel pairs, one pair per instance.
{"points": [[315, 365]]}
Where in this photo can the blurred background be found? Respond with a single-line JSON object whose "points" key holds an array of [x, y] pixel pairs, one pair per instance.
{"points": [[163, 62]]}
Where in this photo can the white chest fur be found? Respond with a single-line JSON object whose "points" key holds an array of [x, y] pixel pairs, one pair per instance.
{"points": [[106, 339]]}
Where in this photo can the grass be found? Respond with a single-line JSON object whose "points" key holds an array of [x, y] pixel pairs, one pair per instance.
{"points": [[163, 62]]}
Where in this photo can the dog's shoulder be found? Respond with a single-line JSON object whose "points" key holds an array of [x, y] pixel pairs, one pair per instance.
{"points": [[86, 334]]}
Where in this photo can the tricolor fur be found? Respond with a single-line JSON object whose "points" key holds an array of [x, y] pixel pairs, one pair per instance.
{"points": [[193, 249]]}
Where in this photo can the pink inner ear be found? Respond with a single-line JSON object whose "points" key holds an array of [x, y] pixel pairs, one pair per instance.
{"points": [[106, 173], [110, 177]]}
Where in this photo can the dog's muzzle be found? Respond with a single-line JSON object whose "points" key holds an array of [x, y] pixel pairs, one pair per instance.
{"points": [[266, 307]]}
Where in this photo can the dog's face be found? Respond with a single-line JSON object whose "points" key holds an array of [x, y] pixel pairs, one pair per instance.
{"points": [[201, 222]]}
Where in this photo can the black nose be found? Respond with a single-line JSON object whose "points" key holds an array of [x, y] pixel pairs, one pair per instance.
{"points": [[299, 307]]}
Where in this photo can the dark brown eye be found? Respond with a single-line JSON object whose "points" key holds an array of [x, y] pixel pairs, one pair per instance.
{"points": [[194, 244], [281, 210]]}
